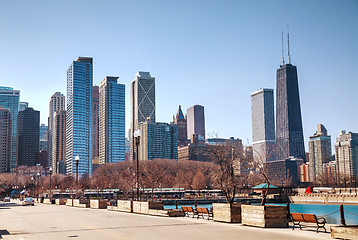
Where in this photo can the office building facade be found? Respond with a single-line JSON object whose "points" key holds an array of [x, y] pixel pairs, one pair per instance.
{"points": [[57, 103], [263, 125], [158, 141], [79, 116], [142, 103], [5, 139], [28, 134], [346, 150], [196, 121], [289, 132], [10, 98], [95, 124], [319, 152], [111, 121], [59, 141]]}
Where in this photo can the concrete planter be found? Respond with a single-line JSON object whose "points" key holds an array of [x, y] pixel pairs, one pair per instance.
{"points": [[75, 202], [143, 207], [264, 216], [344, 232], [47, 201], [98, 203], [60, 201], [125, 206], [69, 202], [224, 213]]}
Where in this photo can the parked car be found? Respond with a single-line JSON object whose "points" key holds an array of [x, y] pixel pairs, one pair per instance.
{"points": [[28, 201], [7, 199]]}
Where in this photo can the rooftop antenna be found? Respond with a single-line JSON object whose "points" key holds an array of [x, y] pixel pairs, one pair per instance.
{"points": [[288, 45], [283, 53]]}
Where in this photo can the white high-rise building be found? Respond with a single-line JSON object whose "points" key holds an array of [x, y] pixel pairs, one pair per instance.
{"points": [[263, 125]]}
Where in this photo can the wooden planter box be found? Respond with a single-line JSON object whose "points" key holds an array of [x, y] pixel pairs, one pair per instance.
{"points": [[264, 216], [69, 202], [98, 203], [344, 232], [224, 213], [60, 201], [124, 206]]}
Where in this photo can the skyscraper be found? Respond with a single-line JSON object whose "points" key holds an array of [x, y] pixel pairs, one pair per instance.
{"points": [[142, 102], [289, 132], [180, 121], [57, 103], [23, 105], [112, 121], [196, 121], [346, 149], [320, 153], [10, 98], [28, 134], [43, 137], [95, 124], [263, 125], [158, 141], [5, 139], [59, 141], [79, 116]]}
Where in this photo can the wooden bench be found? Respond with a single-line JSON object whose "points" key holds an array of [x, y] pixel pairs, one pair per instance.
{"points": [[189, 211], [204, 212], [298, 218]]}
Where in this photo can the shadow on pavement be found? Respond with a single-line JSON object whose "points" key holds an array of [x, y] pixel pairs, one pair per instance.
{"points": [[4, 232]]}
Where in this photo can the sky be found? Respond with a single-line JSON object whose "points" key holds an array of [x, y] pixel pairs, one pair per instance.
{"points": [[209, 52]]}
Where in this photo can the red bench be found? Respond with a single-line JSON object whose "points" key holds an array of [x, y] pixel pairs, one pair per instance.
{"points": [[204, 212], [298, 218], [189, 211]]}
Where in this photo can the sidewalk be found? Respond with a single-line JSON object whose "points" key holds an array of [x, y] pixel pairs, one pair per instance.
{"points": [[61, 222]]}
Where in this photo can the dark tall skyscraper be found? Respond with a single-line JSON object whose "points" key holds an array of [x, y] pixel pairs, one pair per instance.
{"points": [[28, 133], [289, 133]]}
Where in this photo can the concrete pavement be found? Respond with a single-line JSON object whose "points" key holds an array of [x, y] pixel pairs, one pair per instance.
{"points": [[61, 222]]}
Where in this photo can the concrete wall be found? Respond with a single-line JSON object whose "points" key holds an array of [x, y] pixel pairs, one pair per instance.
{"points": [[125, 206], [324, 199]]}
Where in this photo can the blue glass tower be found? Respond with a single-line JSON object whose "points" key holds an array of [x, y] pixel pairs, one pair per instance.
{"points": [[79, 116], [10, 98], [111, 121]]}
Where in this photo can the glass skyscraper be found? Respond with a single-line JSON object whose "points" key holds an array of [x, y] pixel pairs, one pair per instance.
{"points": [[79, 116], [10, 98], [111, 121]]}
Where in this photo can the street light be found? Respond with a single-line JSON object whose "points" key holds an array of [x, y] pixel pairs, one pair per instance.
{"points": [[77, 158], [137, 134], [38, 183], [50, 169]]}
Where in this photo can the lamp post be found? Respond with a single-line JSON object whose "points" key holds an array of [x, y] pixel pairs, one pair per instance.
{"points": [[50, 169], [77, 158], [137, 134], [38, 183]]}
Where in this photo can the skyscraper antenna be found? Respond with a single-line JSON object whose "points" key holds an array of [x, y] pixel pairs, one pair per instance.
{"points": [[283, 53], [288, 45]]}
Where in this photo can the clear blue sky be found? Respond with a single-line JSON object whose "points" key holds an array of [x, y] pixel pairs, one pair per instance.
{"points": [[213, 53]]}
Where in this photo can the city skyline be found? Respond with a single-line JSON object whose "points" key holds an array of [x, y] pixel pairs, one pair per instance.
{"points": [[325, 61]]}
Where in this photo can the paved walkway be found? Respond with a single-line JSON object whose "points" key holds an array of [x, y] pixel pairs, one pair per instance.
{"points": [[61, 222]]}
